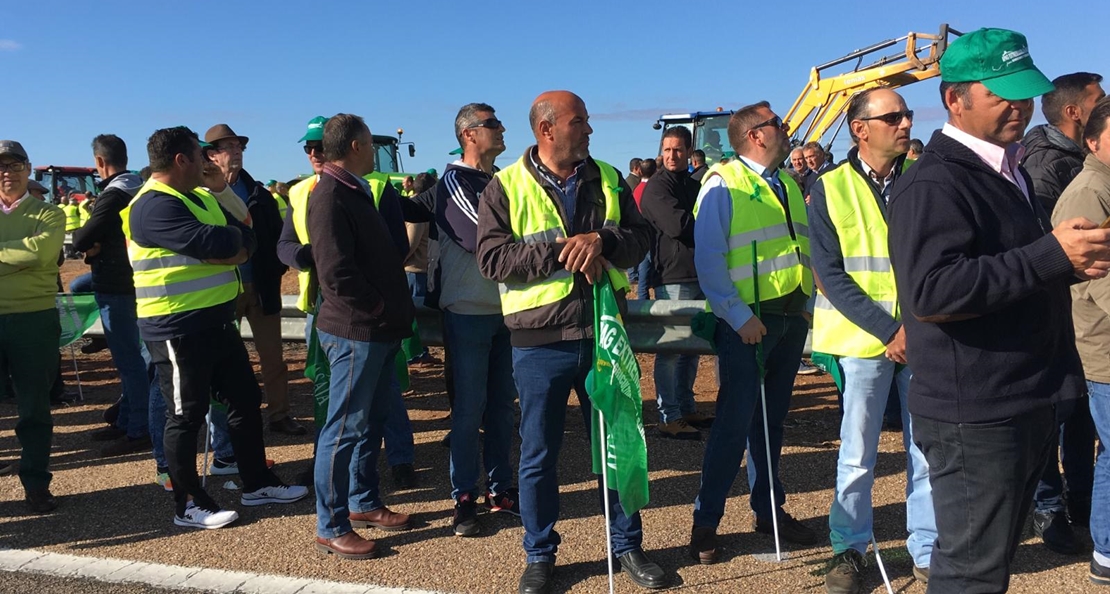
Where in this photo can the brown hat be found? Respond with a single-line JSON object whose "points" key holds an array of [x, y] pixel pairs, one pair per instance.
{"points": [[222, 132]]}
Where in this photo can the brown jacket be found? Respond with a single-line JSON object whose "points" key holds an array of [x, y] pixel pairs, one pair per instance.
{"points": [[1088, 195], [500, 258]]}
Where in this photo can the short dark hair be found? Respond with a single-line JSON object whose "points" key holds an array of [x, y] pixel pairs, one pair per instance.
{"points": [[1069, 91], [634, 163], [813, 145], [166, 144], [698, 155], [422, 182], [647, 168], [112, 149], [917, 146], [682, 133], [339, 132], [1098, 122], [741, 122], [858, 108], [961, 89], [144, 173]]}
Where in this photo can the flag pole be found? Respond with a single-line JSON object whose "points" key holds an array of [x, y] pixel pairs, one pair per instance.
{"points": [[879, 561], [77, 374], [605, 494], [763, 401]]}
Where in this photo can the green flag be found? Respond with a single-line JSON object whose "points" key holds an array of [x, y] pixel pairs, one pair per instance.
{"points": [[77, 313], [614, 388]]}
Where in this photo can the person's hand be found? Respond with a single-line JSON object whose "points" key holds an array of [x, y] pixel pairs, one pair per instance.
{"points": [[213, 178], [94, 251], [580, 251], [1087, 246], [896, 348], [753, 331]]}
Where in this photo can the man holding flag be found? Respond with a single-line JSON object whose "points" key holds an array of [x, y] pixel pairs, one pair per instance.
{"points": [[549, 225], [752, 258]]}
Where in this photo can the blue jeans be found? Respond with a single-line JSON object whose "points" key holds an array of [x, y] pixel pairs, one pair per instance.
{"points": [[675, 374], [544, 376], [83, 284], [484, 396], [1077, 455], [866, 390], [121, 331], [399, 445], [1100, 496], [156, 411], [644, 274], [346, 469], [739, 420]]}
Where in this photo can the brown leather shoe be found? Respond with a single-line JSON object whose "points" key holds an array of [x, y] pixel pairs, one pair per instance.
{"points": [[382, 519], [348, 546], [703, 545]]}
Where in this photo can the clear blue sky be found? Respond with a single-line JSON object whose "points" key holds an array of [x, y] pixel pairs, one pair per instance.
{"points": [[266, 68]]}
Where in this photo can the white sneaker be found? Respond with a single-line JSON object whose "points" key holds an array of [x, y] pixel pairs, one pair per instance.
{"points": [[198, 517], [275, 494], [219, 468], [803, 369]]}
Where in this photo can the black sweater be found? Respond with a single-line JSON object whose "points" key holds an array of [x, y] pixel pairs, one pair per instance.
{"points": [[668, 204], [984, 290], [111, 270]]}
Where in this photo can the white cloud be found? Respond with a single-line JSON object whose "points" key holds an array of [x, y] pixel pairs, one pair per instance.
{"points": [[9, 45]]}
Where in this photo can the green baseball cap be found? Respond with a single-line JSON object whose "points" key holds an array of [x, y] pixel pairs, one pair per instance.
{"points": [[315, 129], [999, 59], [457, 151]]}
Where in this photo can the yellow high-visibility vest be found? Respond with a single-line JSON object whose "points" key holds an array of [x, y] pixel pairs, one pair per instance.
{"points": [[535, 219], [167, 282], [73, 217], [758, 215]]}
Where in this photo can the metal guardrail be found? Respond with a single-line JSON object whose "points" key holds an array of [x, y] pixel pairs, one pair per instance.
{"points": [[653, 326]]}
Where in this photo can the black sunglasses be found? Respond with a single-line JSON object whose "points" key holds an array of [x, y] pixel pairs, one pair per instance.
{"points": [[491, 123], [775, 122], [308, 148], [893, 118]]}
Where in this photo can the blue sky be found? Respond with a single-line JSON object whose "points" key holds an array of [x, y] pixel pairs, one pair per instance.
{"points": [[266, 68]]}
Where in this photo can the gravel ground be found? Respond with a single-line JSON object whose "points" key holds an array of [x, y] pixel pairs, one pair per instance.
{"points": [[25, 583], [112, 508]]}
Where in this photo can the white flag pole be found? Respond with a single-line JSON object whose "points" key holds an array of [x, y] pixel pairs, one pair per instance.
{"points": [[605, 495], [207, 442], [770, 471], [879, 561]]}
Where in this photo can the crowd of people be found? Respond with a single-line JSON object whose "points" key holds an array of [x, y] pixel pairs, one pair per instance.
{"points": [[964, 277]]}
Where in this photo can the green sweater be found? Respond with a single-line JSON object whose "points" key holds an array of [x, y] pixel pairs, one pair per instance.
{"points": [[31, 237]]}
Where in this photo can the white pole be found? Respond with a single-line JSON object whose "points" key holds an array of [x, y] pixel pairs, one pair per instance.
{"points": [[77, 374], [605, 496], [207, 441], [770, 471], [879, 560]]}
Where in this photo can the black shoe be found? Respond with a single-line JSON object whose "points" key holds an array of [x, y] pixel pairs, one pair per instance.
{"points": [[507, 501], [287, 426], [844, 573], [109, 433], [536, 578], [1054, 530], [96, 344], [41, 501], [125, 446], [465, 521], [111, 414], [446, 441], [404, 477], [1100, 574], [790, 530], [1079, 511], [643, 571], [7, 468]]}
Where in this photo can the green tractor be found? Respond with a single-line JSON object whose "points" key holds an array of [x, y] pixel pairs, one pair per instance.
{"points": [[387, 157]]}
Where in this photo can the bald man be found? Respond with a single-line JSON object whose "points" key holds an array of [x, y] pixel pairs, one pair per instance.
{"points": [[549, 226]]}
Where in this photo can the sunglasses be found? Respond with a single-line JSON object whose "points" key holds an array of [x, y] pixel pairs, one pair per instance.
{"points": [[491, 123], [893, 118], [308, 148], [775, 122]]}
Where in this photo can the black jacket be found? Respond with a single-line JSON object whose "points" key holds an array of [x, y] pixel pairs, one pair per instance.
{"points": [[1052, 160], [266, 268], [111, 270], [668, 204], [984, 289]]}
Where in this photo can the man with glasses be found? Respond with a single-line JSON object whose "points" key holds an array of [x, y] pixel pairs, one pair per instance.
{"points": [[857, 319], [260, 301], [751, 198], [31, 236]]}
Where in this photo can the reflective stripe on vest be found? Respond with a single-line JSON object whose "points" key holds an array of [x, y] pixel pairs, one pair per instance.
{"points": [[534, 218], [758, 215], [167, 282], [298, 200], [862, 232]]}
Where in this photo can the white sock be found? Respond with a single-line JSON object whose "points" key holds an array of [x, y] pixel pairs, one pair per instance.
{"points": [[1101, 559]]}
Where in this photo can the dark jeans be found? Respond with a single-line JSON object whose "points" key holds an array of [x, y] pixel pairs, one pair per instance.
{"points": [[190, 369], [117, 315], [645, 282], [739, 420], [1077, 454], [29, 353], [544, 377], [983, 476]]}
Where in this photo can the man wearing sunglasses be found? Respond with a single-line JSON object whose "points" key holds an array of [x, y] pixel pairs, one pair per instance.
{"points": [[857, 319], [31, 235], [751, 198]]}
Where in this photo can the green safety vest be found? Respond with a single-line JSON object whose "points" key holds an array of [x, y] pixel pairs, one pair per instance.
{"points": [[282, 206], [298, 200], [862, 231], [758, 215], [534, 218], [167, 282], [73, 217]]}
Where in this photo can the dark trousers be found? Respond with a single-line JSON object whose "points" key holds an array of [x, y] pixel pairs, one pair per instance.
{"points": [[28, 352], [1077, 454], [983, 476], [190, 368]]}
